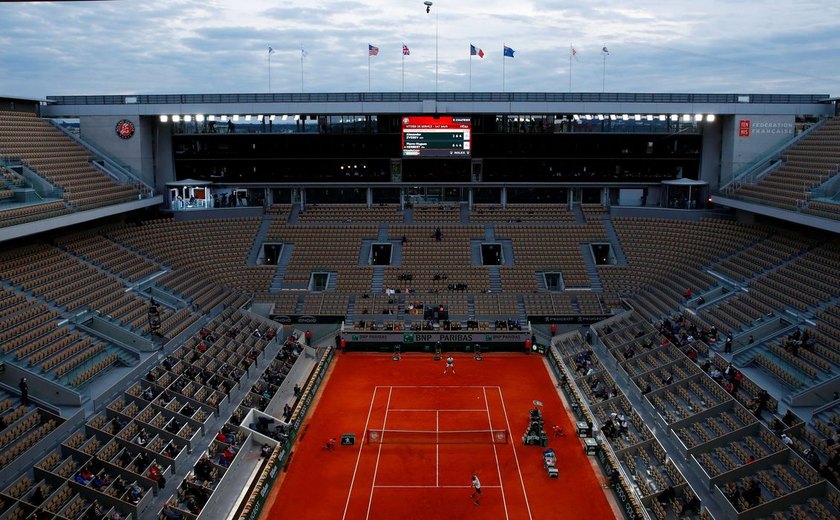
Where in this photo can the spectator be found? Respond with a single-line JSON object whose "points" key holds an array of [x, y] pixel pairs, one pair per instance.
{"points": [[24, 392], [168, 512]]}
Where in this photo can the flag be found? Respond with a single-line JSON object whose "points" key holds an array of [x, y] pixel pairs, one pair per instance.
{"points": [[574, 53], [604, 50], [508, 52], [270, 50], [372, 51], [476, 52], [303, 53], [406, 52]]}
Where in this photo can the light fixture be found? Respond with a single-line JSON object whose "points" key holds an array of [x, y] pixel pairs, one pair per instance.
{"points": [[248, 117], [285, 117], [710, 118], [588, 117], [235, 117], [662, 117], [199, 118], [223, 119], [675, 117], [686, 117], [637, 117], [271, 118], [297, 117], [176, 118], [164, 118], [260, 118], [612, 117], [625, 117], [698, 117], [187, 118], [600, 117], [211, 118], [649, 117]]}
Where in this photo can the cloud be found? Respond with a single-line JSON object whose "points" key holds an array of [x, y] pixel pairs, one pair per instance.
{"points": [[189, 46]]}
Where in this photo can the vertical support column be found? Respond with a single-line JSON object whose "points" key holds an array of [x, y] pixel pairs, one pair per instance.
{"points": [[470, 198], [570, 196], [504, 196], [369, 196], [402, 199], [268, 197], [303, 199]]}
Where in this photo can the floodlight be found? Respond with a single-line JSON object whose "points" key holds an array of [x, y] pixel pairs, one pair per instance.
{"points": [[612, 117], [600, 117], [164, 119], [297, 117], [710, 118], [223, 119], [662, 117], [637, 117], [698, 117], [271, 118], [649, 117], [625, 117], [199, 118], [675, 117], [235, 117], [187, 118], [686, 117], [176, 118], [211, 118], [260, 118], [588, 117], [248, 117], [428, 5]]}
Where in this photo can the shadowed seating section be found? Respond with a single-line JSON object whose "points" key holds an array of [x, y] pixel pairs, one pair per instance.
{"points": [[423, 257], [521, 213], [319, 213], [806, 165], [547, 248], [207, 257], [61, 161], [666, 257], [329, 248]]}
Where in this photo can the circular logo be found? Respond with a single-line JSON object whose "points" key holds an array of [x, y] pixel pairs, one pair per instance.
{"points": [[125, 129], [405, 120]]}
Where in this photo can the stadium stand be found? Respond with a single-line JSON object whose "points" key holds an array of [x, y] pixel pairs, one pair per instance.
{"points": [[59, 160]]}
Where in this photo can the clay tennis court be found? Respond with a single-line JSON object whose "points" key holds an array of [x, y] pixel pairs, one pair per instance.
{"points": [[421, 435]]}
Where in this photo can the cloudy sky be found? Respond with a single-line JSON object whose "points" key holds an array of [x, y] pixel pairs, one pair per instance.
{"points": [[210, 46]]}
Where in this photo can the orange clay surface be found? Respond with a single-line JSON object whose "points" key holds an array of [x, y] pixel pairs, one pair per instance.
{"points": [[428, 480]]}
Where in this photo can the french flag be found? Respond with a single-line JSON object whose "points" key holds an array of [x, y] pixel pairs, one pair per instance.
{"points": [[476, 52]]}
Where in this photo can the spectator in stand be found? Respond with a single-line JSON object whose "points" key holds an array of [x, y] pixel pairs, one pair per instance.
{"points": [[789, 419], [308, 336], [170, 513]]}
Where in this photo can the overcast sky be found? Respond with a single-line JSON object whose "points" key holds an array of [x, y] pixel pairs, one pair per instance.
{"points": [[211, 46]]}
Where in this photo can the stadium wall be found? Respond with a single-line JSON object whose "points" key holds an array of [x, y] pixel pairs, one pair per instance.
{"points": [[746, 138], [136, 151]]}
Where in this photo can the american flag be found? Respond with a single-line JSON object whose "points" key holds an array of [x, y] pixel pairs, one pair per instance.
{"points": [[372, 51], [406, 52]]}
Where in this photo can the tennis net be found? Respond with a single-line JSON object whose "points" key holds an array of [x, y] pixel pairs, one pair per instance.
{"points": [[437, 437]]}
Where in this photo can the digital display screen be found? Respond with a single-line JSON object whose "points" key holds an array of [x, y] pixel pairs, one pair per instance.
{"points": [[436, 136]]}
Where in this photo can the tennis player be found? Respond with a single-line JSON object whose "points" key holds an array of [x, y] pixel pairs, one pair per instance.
{"points": [[476, 494], [450, 365]]}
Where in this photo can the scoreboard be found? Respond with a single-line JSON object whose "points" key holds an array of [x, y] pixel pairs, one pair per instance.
{"points": [[436, 136]]}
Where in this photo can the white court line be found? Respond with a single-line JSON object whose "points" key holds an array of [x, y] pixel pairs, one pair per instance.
{"points": [[496, 455], [359, 456], [521, 480], [435, 487], [437, 410], [439, 386], [378, 453], [437, 449]]}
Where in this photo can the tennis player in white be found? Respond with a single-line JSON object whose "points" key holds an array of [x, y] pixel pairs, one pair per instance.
{"points": [[476, 494], [450, 365]]}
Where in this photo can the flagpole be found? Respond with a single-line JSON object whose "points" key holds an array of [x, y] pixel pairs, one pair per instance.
{"points": [[301, 68], [403, 68], [571, 47], [604, 75], [470, 69], [269, 70], [368, 67], [503, 66]]}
